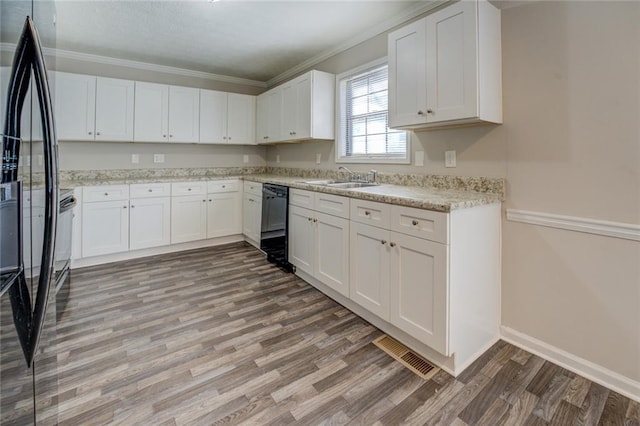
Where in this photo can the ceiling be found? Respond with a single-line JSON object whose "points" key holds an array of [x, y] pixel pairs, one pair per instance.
{"points": [[255, 40]]}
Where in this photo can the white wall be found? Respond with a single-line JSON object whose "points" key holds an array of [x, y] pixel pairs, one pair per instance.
{"points": [[572, 114]]}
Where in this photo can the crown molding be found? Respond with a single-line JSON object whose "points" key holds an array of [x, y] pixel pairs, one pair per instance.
{"points": [[105, 60], [386, 25]]}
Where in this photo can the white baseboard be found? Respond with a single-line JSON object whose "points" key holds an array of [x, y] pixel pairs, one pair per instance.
{"points": [[135, 254], [594, 372]]}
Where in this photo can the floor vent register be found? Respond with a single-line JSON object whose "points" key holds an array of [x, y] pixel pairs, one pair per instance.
{"points": [[406, 357]]}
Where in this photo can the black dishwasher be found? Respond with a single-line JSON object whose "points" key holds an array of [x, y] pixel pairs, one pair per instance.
{"points": [[273, 232]]}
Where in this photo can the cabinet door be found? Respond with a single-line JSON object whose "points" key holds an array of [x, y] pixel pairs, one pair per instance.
{"points": [[241, 117], [289, 114], [114, 109], [369, 272], [332, 252], [75, 106], [419, 289], [188, 218], [296, 101], [224, 214], [150, 222], [105, 227], [213, 116], [151, 112], [262, 118], [184, 114], [407, 75], [302, 241], [252, 217], [452, 57]]}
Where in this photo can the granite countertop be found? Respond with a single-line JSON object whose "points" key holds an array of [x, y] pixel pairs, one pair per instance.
{"points": [[410, 196], [452, 193]]}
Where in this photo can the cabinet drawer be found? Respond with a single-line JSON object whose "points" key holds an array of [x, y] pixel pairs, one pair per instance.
{"points": [[189, 188], [216, 186], [302, 198], [420, 223], [332, 204], [146, 190], [371, 213], [254, 188], [105, 193]]}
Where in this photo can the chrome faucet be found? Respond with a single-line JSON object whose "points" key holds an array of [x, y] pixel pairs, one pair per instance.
{"points": [[374, 176], [352, 176]]}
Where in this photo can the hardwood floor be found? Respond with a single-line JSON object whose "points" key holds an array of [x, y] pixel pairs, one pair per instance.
{"points": [[219, 335]]}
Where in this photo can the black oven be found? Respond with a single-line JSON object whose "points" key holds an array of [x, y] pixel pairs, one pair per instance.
{"points": [[62, 252], [273, 235]]}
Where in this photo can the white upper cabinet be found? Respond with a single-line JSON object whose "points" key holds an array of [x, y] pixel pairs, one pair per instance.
{"points": [[184, 114], [75, 106], [445, 69], [91, 108], [166, 113], [151, 112], [270, 116], [227, 117], [114, 109], [300, 109]]}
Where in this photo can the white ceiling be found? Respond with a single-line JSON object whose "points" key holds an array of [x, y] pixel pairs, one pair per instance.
{"points": [[256, 40]]}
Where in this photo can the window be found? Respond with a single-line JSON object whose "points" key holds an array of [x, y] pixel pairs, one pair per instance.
{"points": [[363, 132]]}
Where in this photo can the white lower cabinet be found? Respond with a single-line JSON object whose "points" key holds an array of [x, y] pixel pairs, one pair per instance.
{"points": [[224, 214], [418, 294], [188, 218], [370, 268], [252, 218], [319, 242], [149, 222], [252, 212], [301, 239], [105, 227]]}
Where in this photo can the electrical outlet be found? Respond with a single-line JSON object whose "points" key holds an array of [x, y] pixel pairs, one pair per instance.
{"points": [[278, 158], [158, 158], [318, 158], [245, 158], [450, 159], [135, 158], [418, 158]]}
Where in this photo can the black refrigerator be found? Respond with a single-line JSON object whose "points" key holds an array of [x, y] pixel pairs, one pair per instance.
{"points": [[28, 216]]}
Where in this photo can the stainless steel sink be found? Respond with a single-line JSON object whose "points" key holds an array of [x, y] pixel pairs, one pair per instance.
{"points": [[349, 185], [344, 184]]}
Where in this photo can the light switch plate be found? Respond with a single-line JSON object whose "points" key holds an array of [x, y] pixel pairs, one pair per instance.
{"points": [[318, 158], [245, 158], [278, 158], [450, 159], [135, 158], [158, 158], [418, 158]]}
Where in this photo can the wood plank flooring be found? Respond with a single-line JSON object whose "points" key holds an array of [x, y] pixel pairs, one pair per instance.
{"points": [[219, 335]]}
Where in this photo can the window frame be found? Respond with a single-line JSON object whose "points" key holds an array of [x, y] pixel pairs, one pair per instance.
{"points": [[340, 113]]}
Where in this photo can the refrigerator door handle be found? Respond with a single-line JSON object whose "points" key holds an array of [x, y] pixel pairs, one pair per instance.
{"points": [[29, 57]]}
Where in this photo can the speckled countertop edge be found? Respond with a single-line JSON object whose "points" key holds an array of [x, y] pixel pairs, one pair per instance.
{"points": [[431, 192]]}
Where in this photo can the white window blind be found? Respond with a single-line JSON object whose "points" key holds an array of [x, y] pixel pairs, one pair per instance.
{"points": [[364, 131]]}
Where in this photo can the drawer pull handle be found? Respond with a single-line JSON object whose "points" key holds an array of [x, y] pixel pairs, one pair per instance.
{"points": [[224, 186], [392, 244], [315, 220], [204, 201], [124, 207], [150, 190], [383, 242], [309, 219], [367, 213], [132, 206], [188, 189], [106, 194], [414, 222], [209, 200]]}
